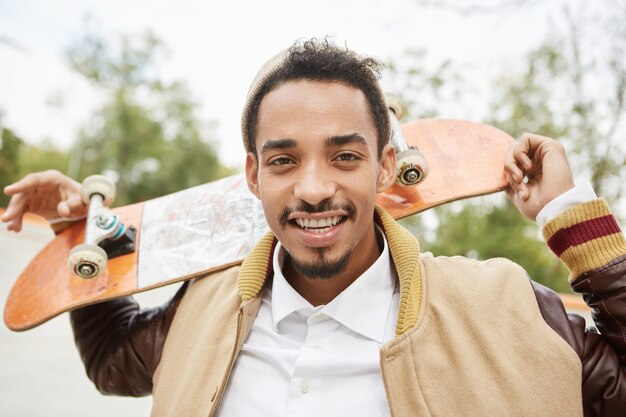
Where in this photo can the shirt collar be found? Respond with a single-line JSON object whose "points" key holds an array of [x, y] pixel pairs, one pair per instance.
{"points": [[363, 307]]}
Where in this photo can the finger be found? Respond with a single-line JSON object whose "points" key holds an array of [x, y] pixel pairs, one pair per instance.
{"points": [[63, 209], [524, 151], [27, 183], [511, 167], [15, 225], [520, 189], [515, 197], [514, 172], [523, 160], [14, 213], [72, 207], [15, 208]]}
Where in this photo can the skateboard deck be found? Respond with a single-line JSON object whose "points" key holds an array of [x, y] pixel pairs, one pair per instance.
{"points": [[207, 228]]}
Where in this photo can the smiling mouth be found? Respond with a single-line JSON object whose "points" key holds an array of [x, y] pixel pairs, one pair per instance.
{"points": [[318, 225]]}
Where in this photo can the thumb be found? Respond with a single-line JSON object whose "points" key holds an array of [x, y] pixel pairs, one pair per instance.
{"points": [[72, 207]]}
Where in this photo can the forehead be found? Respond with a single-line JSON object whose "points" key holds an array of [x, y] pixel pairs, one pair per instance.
{"points": [[305, 109]]}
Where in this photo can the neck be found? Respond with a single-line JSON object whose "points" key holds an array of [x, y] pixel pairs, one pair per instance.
{"points": [[321, 291]]}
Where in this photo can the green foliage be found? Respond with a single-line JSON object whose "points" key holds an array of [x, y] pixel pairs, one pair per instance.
{"points": [[522, 99], [146, 134], [41, 157], [18, 158], [10, 146], [424, 85]]}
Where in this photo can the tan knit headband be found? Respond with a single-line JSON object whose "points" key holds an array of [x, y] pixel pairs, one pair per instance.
{"points": [[257, 83]]}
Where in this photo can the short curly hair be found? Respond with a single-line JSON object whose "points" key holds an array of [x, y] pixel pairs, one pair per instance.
{"points": [[318, 60]]}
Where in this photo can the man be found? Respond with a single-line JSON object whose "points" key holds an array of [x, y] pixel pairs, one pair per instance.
{"points": [[336, 312]]}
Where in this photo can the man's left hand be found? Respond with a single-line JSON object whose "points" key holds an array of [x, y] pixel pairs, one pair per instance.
{"points": [[537, 170]]}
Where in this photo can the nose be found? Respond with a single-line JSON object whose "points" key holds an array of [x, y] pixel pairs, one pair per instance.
{"points": [[315, 184]]}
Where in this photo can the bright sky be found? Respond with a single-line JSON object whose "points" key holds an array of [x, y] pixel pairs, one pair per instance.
{"points": [[217, 47]]}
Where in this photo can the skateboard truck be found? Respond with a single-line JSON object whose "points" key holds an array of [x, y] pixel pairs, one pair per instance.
{"points": [[411, 164], [105, 235]]}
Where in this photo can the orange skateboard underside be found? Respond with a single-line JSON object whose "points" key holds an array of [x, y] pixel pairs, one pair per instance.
{"points": [[207, 228]]}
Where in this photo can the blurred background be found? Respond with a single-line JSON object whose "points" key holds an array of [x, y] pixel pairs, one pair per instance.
{"points": [[150, 93]]}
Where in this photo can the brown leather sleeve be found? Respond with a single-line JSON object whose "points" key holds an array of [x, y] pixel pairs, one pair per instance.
{"points": [[121, 345], [603, 351]]}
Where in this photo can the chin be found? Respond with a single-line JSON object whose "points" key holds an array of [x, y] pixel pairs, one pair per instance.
{"points": [[321, 267]]}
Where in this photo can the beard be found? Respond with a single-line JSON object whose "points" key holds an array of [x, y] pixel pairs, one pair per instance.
{"points": [[321, 268]]}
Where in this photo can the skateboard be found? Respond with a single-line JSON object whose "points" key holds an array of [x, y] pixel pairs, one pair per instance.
{"points": [[207, 228]]}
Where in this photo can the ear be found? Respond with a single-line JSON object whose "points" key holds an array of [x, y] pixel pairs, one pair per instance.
{"points": [[252, 174], [387, 173]]}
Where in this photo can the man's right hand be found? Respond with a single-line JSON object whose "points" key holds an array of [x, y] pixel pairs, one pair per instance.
{"points": [[49, 194]]}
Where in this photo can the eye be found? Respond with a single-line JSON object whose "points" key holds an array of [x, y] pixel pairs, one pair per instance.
{"points": [[281, 160], [347, 157]]}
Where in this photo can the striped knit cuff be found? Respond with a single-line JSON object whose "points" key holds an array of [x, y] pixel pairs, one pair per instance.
{"points": [[585, 237]]}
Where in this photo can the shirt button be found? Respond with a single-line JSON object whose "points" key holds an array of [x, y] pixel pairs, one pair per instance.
{"points": [[304, 387]]}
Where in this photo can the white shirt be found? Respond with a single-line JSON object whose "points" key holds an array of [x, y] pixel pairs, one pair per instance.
{"points": [[323, 361], [578, 194], [301, 360]]}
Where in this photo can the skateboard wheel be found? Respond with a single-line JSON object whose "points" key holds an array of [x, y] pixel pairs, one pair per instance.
{"points": [[98, 184], [395, 104], [411, 167], [87, 261]]}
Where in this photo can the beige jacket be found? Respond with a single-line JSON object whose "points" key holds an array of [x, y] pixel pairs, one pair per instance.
{"points": [[461, 347], [473, 338]]}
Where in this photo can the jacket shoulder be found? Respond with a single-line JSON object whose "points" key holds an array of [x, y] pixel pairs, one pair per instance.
{"points": [[467, 271]]}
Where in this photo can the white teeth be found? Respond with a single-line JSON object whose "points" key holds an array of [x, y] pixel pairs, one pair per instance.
{"points": [[320, 225], [320, 230]]}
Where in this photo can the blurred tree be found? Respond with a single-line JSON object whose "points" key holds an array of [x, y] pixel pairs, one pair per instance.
{"points": [[10, 146], [40, 157], [427, 86], [558, 92], [146, 135], [18, 158]]}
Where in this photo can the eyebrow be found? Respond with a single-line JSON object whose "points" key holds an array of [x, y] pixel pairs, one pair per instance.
{"points": [[278, 144], [289, 143], [346, 140]]}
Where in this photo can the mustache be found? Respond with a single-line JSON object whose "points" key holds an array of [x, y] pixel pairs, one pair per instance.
{"points": [[321, 207]]}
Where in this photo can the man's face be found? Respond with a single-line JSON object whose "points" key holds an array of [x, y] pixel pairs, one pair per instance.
{"points": [[317, 173]]}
